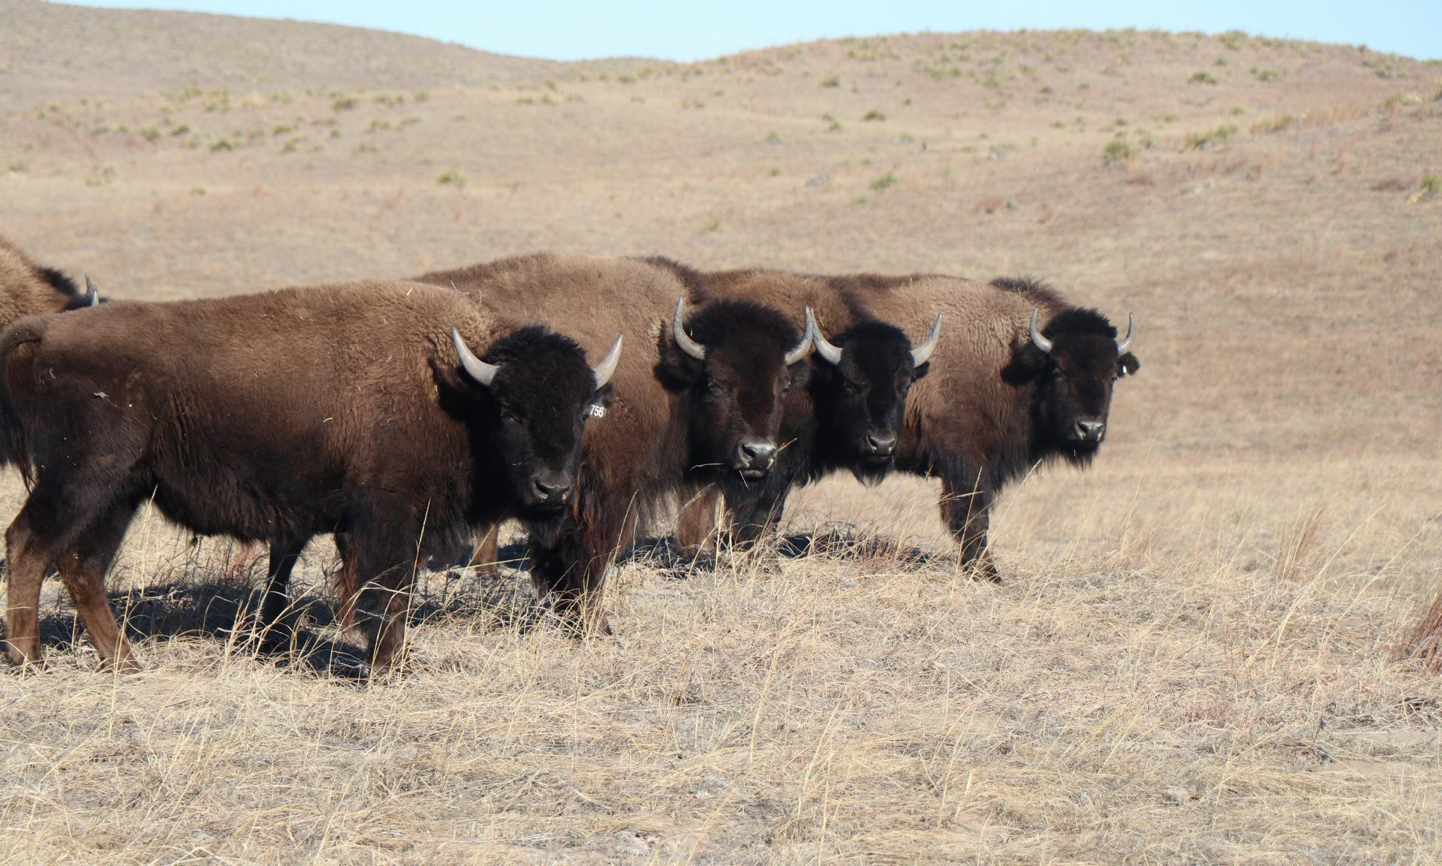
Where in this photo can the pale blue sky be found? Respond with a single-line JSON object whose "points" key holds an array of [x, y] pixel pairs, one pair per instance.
{"points": [[685, 30]]}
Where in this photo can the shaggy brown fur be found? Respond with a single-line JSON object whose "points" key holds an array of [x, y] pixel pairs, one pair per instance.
{"points": [[676, 422], [275, 417], [28, 289]]}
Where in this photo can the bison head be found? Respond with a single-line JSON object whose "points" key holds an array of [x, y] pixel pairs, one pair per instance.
{"points": [[737, 361], [859, 390], [537, 392], [1074, 361]]}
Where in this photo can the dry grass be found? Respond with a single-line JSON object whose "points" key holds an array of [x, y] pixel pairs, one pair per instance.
{"points": [[1207, 648]]}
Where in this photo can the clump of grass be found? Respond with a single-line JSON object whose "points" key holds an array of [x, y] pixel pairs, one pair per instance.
{"points": [[1210, 138], [222, 144], [772, 137], [1232, 39], [833, 81], [451, 177], [19, 166], [1116, 151], [283, 129], [714, 225], [150, 133], [886, 181], [1424, 643], [775, 172], [179, 130], [343, 103], [1267, 74], [1201, 78], [874, 115], [1276, 124], [1299, 546], [1430, 188]]}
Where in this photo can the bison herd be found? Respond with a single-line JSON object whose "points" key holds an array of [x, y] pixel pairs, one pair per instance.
{"points": [[582, 397]]}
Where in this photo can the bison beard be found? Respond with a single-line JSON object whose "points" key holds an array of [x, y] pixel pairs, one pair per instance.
{"points": [[339, 409]]}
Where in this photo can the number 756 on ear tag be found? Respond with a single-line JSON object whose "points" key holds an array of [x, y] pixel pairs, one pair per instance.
{"points": [[597, 411]]}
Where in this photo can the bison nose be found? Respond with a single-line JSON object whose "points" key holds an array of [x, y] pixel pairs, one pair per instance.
{"points": [[755, 456], [881, 444], [552, 488], [1090, 431]]}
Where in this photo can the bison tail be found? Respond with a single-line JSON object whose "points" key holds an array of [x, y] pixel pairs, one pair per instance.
{"points": [[17, 357]]}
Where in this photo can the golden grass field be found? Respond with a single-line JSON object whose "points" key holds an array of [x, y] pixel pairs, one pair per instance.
{"points": [[1205, 649]]}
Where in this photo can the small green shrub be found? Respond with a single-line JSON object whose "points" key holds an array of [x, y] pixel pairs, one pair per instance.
{"points": [[1201, 78], [874, 115], [451, 177], [885, 181], [1203, 140], [1116, 151], [833, 81]]}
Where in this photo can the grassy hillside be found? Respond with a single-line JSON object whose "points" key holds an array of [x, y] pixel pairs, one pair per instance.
{"points": [[1202, 648]]}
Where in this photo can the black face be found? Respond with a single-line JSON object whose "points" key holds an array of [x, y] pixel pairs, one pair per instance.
{"points": [[861, 401], [1074, 382], [737, 391], [538, 403]]}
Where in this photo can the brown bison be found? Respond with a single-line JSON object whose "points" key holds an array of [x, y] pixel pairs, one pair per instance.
{"points": [[697, 401], [356, 409], [1026, 380], [849, 416]]}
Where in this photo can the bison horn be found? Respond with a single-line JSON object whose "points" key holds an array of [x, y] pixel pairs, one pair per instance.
{"points": [[921, 354], [1131, 330], [1036, 338], [826, 349], [688, 345], [92, 294], [603, 371], [804, 347], [477, 369]]}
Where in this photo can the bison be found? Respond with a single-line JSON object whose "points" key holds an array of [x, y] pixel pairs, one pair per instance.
{"points": [[700, 404], [1028, 381], [850, 415], [357, 409]]}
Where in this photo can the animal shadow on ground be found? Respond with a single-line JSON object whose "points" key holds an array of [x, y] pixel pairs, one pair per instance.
{"points": [[223, 607], [868, 551]]}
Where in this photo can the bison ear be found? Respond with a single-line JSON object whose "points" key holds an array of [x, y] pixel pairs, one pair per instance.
{"points": [[604, 396], [1129, 365], [676, 370], [1027, 363]]}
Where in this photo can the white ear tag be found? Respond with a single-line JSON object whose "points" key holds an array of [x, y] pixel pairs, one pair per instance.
{"points": [[597, 411]]}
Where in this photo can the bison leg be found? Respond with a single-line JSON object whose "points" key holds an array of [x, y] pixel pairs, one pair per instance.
{"points": [[29, 562], [487, 557], [696, 524], [283, 556], [966, 509], [386, 559], [48, 532], [83, 571]]}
